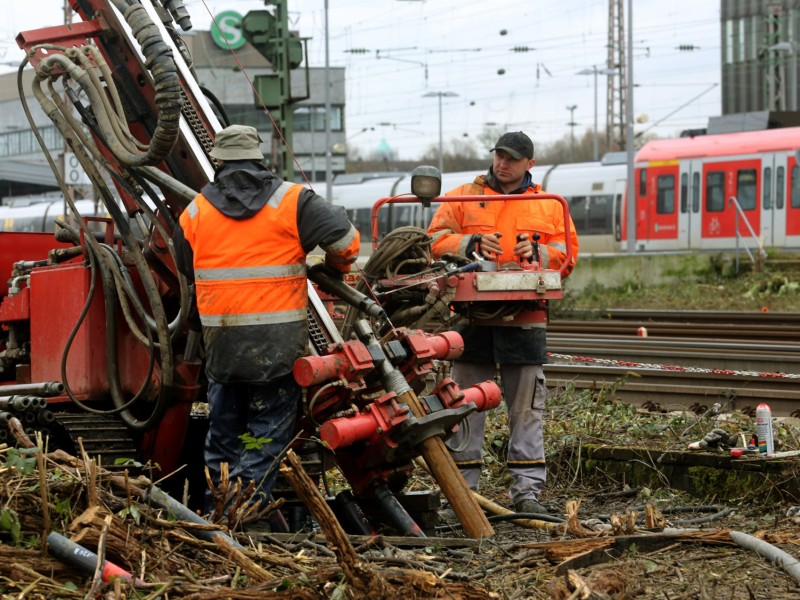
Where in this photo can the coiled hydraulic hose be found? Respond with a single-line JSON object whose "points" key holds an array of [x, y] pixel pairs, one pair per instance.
{"points": [[111, 127]]}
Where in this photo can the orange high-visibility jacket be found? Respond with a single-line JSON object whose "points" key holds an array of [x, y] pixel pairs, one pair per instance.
{"points": [[455, 223], [251, 288]]}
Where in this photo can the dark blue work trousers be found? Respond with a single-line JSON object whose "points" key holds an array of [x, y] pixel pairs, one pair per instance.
{"points": [[266, 412]]}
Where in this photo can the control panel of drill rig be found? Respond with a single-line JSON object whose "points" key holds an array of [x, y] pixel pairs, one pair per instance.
{"points": [[95, 342]]}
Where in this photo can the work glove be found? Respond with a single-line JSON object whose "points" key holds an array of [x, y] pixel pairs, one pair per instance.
{"points": [[714, 439], [325, 270]]}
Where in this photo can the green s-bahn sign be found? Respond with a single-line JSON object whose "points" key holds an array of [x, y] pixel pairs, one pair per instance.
{"points": [[226, 31]]}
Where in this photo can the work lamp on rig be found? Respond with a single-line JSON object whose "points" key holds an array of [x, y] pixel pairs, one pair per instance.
{"points": [[426, 184]]}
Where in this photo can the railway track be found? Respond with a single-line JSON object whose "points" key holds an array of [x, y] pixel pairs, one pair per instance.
{"points": [[685, 316], [682, 323], [701, 352], [672, 390], [765, 332], [689, 360]]}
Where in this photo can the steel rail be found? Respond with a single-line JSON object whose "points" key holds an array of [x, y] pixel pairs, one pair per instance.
{"points": [[683, 316], [717, 331], [677, 390], [707, 353]]}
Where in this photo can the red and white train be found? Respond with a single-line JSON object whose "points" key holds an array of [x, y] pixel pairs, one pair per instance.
{"points": [[683, 191]]}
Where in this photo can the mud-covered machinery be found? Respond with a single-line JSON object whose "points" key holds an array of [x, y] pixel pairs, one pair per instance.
{"points": [[95, 341]]}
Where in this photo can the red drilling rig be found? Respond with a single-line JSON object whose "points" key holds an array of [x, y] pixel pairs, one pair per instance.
{"points": [[95, 344]]}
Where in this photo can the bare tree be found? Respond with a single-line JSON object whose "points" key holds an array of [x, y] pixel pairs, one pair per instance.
{"points": [[459, 155], [489, 136]]}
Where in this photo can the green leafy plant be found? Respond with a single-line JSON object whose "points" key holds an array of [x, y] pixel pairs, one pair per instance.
{"points": [[9, 522], [133, 511], [128, 462], [253, 443], [22, 459]]}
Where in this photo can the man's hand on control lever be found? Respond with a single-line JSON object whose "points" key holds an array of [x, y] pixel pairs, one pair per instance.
{"points": [[490, 245], [524, 247]]}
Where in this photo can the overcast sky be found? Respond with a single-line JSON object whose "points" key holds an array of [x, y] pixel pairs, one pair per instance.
{"points": [[466, 47]]}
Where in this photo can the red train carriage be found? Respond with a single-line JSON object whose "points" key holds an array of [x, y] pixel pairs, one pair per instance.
{"points": [[684, 190]]}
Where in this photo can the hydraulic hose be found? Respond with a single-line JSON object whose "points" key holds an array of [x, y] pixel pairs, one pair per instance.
{"points": [[112, 128], [112, 360], [404, 245], [776, 556], [161, 64], [151, 290]]}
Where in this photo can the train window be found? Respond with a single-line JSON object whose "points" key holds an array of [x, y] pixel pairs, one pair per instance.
{"points": [[665, 194], [695, 192], [360, 218], [643, 182], [591, 214], [684, 193], [794, 199], [399, 216], [780, 182], [579, 211], [715, 191], [767, 188], [598, 218], [746, 188]]}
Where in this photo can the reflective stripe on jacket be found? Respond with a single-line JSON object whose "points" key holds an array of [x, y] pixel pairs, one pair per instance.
{"points": [[454, 224], [251, 287], [244, 277]]}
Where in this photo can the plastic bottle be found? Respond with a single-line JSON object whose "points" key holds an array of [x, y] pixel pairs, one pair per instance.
{"points": [[766, 444]]}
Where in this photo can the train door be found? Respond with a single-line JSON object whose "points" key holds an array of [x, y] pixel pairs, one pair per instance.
{"points": [[618, 212], [689, 207], [792, 215], [657, 205], [773, 200], [722, 182]]}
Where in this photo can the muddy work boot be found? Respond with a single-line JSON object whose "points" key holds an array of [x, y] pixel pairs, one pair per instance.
{"points": [[529, 506]]}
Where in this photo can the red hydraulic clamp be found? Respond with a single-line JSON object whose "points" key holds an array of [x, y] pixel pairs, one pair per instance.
{"points": [[423, 348], [485, 396], [392, 421], [376, 419], [348, 360]]}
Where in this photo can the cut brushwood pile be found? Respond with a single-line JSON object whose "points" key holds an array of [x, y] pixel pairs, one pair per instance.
{"points": [[72, 529], [106, 514]]}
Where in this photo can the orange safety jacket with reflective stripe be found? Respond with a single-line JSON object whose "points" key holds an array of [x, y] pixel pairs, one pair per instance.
{"points": [[453, 228], [455, 223], [251, 287]]}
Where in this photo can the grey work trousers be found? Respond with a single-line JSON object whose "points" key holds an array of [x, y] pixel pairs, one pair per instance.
{"points": [[524, 393]]}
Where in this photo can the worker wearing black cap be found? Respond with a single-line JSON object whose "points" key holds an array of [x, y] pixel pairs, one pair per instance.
{"points": [[513, 348]]}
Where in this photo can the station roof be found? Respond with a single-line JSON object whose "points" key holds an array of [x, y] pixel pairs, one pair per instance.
{"points": [[19, 178]]}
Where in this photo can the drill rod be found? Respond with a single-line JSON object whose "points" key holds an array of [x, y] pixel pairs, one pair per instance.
{"points": [[446, 473], [433, 450]]}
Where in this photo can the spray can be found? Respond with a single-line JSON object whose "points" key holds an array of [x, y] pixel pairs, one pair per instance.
{"points": [[766, 444]]}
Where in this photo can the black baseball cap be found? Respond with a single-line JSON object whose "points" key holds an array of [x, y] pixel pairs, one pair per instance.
{"points": [[516, 143]]}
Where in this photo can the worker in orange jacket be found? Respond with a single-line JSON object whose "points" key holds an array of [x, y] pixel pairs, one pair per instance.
{"points": [[243, 243], [504, 231]]}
